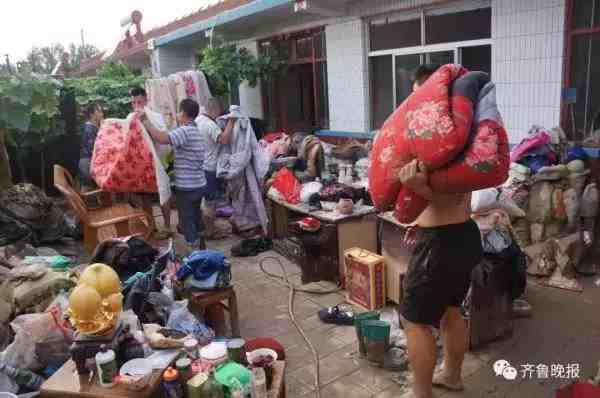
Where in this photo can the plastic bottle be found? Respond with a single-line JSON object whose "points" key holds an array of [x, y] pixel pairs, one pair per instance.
{"points": [[107, 367], [23, 377], [212, 389], [171, 385], [259, 383]]}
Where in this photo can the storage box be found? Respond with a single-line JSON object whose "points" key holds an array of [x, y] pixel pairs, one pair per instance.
{"points": [[396, 255], [365, 278]]}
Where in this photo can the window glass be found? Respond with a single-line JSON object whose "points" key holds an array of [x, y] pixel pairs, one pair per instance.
{"points": [[382, 89], [440, 57], [387, 35], [477, 58], [405, 66], [584, 12], [322, 95], [585, 79], [459, 26]]}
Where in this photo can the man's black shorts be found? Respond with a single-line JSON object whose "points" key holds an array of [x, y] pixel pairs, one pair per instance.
{"points": [[439, 271]]}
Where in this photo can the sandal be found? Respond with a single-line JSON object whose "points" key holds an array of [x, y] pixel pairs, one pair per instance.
{"points": [[335, 315]]}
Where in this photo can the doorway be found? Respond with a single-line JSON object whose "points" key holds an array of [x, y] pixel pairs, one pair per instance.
{"points": [[297, 100]]}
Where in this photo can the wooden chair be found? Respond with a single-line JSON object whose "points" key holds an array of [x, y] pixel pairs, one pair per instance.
{"points": [[100, 224]]}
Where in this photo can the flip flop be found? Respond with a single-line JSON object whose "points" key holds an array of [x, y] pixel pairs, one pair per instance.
{"points": [[439, 381], [335, 315]]}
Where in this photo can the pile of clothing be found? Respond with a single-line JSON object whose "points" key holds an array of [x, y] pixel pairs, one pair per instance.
{"points": [[492, 213], [243, 164], [205, 270], [27, 214]]}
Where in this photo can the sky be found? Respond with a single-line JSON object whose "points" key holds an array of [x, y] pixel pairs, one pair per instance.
{"points": [[28, 23]]}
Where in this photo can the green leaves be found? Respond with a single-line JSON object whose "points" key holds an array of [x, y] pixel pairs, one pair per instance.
{"points": [[110, 87], [28, 105], [225, 64]]}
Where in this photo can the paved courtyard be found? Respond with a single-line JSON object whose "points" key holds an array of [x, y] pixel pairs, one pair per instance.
{"points": [[565, 329]]}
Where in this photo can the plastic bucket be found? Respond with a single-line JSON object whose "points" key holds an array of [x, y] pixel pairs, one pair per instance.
{"points": [[358, 325], [377, 336]]}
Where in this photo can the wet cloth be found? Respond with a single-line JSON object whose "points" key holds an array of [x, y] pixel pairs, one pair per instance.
{"points": [[452, 125], [125, 159], [205, 269], [238, 164]]}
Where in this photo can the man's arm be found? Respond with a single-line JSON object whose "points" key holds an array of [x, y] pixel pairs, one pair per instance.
{"points": [[160, 136], [414, 176], [225, 136]]}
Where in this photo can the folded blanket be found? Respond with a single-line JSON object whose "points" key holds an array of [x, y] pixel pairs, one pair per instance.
{"points": [[453, 126]]}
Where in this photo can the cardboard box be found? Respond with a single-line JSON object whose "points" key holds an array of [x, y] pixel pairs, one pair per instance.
{"points": [[365, 278], [396, 256]]}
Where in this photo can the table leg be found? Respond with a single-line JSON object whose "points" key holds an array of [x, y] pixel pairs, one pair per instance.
{"points": [[233, 315]]}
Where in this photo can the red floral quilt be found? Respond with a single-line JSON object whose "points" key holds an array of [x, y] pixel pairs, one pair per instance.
{"points": [[453, 126], [122, 159]]}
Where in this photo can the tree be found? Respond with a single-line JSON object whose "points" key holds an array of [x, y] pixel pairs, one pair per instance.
{"points": [[28, 118], [225, 65], [81, 52], [44, 59]]}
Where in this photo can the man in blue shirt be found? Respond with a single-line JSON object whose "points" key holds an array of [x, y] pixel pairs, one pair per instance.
{"points": [[189, 147]]}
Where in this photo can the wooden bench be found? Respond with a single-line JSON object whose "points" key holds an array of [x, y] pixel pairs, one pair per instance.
{"points": [[100, 224]]}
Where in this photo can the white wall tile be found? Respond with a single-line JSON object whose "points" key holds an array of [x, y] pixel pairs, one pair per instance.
{"points": [[528, 56]]}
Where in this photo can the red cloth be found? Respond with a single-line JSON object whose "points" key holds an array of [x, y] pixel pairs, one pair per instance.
{"points": [[272, 137], [579, 390], [266, 342], [434, 125], [287, 185], [122, 160]]}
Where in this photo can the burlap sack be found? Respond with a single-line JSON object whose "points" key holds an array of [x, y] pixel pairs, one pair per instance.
{"points": [[521, 232], [572, 204], [589, 201], [540, 202], [559, 212], [537, 232]]}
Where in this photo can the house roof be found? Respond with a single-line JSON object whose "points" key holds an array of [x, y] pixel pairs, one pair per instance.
{"points": [[129, 47]]}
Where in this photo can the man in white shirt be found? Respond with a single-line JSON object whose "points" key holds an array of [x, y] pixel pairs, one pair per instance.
{"points": [[215, 138]]}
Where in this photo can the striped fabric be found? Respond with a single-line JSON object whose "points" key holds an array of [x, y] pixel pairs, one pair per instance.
{"points": [[190, 150]]}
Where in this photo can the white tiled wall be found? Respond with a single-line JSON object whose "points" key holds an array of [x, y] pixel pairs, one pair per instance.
{"points": [[347, 76], [527, 61], [250, 97]]}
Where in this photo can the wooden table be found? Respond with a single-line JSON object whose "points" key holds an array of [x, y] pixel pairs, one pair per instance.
{"points": [[358, 229], [67, 383]]}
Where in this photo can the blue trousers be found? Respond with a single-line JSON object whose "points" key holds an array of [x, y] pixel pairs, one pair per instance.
{"points": [[189, 208]]}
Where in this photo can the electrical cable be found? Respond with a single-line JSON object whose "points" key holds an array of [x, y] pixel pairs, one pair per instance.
{"points": [[293, 290]]}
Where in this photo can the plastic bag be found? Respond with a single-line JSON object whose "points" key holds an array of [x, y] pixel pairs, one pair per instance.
{"points": [[183, 320], [288, 185], [262, 159], [309, 189], [484, 200]]}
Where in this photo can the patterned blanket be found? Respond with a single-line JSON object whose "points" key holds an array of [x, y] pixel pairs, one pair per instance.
{"points": [[125, 159], [451, 124]]}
